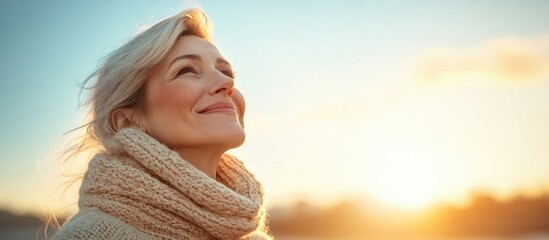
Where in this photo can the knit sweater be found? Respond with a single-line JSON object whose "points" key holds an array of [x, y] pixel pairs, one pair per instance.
{"points": [[141, 189]]}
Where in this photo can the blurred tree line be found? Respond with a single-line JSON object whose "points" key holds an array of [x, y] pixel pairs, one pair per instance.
{"points": [[484, 216], [351, 218]]}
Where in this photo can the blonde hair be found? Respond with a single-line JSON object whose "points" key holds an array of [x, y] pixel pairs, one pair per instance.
{"points": [[120, 81]]}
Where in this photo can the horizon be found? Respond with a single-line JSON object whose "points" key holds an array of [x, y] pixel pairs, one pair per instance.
{"points": [[359, 218]]}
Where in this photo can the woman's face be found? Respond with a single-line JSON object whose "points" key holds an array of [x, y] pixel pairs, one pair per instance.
{"points": [[191, 99]]}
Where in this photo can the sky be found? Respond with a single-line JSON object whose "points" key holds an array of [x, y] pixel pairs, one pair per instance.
{"points": [[406, 103]]}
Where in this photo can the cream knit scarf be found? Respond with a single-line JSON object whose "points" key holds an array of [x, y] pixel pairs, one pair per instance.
{"points": [[150, 187]]}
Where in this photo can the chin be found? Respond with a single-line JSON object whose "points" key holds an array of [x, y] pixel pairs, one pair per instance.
{"points": [[230, 138], [236, 140]]}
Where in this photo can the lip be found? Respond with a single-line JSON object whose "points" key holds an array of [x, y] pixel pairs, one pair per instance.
{"points": [[219, 107]]}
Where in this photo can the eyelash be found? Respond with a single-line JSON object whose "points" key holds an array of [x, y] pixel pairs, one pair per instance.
{"points": [[229, 73], [186, 69]]}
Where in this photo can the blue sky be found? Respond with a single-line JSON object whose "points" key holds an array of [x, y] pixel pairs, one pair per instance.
{"points": [[322, 80]]}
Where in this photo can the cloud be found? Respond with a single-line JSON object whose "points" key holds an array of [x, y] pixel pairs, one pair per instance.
{"points": [[505, 59]]}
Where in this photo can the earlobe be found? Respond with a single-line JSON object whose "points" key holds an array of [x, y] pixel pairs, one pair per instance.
{"points": [[122, 118]]}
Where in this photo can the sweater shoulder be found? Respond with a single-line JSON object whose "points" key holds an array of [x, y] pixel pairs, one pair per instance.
{"points": [[92, 223]]}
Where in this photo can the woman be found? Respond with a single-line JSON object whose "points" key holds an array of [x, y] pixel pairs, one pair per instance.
{"points": [[164, 110]]}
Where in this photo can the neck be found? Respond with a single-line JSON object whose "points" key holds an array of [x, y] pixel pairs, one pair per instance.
{"points": [[205, 160]]}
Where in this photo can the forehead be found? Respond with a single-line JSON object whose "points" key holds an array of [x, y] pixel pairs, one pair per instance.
{"points": [[194, 45]]}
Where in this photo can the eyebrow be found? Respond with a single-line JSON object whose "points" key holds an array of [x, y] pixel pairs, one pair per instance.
{"points": [[219, 61]]}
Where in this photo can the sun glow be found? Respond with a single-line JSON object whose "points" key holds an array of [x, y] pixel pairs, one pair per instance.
{"points": [[405, 178]]}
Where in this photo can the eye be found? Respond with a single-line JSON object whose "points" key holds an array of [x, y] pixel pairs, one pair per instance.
{"points": [[228, 73], [186, 69]]}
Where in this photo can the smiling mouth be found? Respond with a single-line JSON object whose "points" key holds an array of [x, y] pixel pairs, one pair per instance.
{"points": [[219, 107]]}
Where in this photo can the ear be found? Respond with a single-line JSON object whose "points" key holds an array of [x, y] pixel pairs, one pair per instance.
{"points": [[122, 118]]}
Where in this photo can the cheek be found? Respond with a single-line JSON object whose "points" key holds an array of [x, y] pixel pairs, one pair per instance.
{"points": [[171, 102], [178, 96]]}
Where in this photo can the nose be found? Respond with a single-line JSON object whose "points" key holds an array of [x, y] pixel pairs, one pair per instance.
{"points": [[222, 84]]}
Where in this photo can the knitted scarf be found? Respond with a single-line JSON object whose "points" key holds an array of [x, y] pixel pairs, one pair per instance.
{"points": [[152, 188]]}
